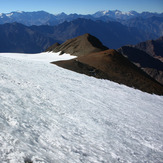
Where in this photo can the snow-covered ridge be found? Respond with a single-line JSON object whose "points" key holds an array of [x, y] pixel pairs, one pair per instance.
{"points": [[19, 11], [1, 15], [10, 14], [116, 14], [43, 57], [52, 115]]}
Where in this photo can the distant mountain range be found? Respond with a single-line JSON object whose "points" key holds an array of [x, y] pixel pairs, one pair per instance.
{"points": [[116, 14], [45, 18], [21, 38], [113, 28], [153, 24], [28, 18]]}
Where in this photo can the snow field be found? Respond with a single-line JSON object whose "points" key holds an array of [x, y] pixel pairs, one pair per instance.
{"points": [[41, 57], [49, 114]]}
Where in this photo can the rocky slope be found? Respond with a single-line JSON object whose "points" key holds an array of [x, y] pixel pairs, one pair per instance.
{"points": [[148, 56], [152, 47], [81, 45], [108, 64]]}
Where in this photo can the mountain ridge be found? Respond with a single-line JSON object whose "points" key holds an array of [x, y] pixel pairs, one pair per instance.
{"points": [[78, 46], [152, 47], [106, 64], [20, 38], [31, 18], [111, 34], [148, 56], [145, 21]]}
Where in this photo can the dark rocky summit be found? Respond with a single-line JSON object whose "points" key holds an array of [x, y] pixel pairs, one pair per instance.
{"points": [[81, 45]]}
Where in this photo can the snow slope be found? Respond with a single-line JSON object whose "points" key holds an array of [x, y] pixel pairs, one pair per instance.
{"points": [[52, 115], [41, 57]]}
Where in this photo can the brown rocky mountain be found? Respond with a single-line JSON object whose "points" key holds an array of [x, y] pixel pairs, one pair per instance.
{"points": [[78, 46], [51, 48], [111, 65], [148, 56], [152, 47], [105, 64]]}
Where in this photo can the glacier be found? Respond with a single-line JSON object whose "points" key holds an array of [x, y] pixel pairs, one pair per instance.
{"points": [[52, 115]]}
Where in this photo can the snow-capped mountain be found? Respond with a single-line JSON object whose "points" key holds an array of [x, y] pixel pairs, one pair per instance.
{"points": [[45, 18], [28, 18], [61, 16], [116, 14], [49, 114]]}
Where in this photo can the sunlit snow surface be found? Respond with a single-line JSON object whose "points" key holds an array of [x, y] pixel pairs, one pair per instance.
{"points": [[41, 57], [49, 114]]}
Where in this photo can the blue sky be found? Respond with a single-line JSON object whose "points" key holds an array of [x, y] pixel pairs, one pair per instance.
{"points": [[80, 6]]}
